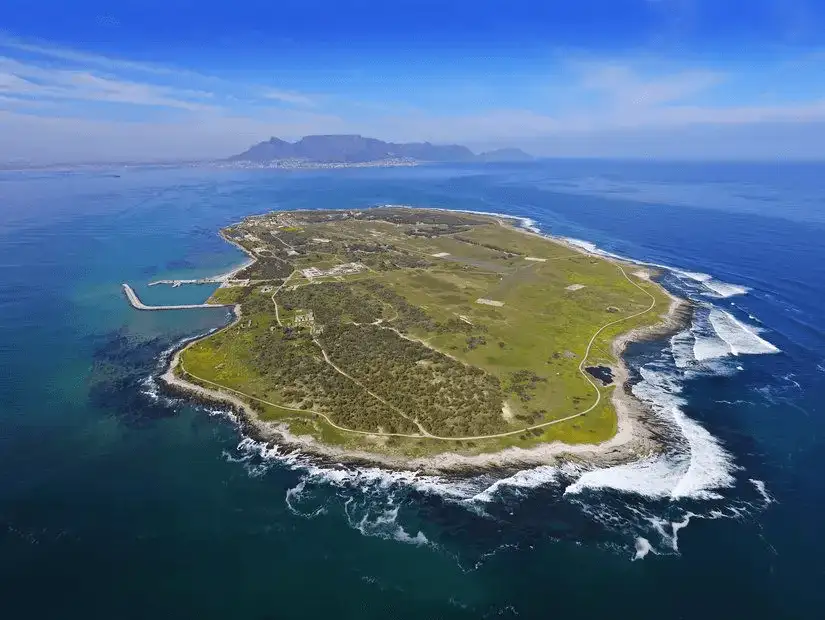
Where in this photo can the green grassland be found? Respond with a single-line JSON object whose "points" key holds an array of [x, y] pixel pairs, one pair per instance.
{"points": [[400, 357]]}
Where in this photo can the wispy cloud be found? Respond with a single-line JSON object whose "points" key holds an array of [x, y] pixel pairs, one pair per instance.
{"points": [[288, 96], [93, 77], [624, 87], [47, 50], [32, 82]]}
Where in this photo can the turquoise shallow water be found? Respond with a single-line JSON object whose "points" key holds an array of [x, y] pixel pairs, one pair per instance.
{"points": [[116, 502]]}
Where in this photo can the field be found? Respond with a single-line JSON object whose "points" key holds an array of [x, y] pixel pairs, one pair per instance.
{"points": [[422, 331]]}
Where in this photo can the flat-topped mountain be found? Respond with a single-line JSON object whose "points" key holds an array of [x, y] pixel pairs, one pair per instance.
{"points": [[358, 149], [351, 149]]}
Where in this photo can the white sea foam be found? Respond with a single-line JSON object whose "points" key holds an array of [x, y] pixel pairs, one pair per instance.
{"points": [[530, 224], [526, 479], [592, 248], [705, 465], [150, 388], [584, 245], [724, 290], [759, 485], [354, 477], [741, 339], [709, 347], [295, 495], [669, 530], [694, 468], [383, 525], [150, 384], [642, 548], [714, 335], [678, 525], [692, 275], [681, 347]]}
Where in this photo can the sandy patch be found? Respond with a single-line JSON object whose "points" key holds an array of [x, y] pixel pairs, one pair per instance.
{"points": [[507, 412]]}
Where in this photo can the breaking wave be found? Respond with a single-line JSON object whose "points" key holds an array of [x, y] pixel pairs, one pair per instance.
{"points": [[714, 336], [706, 284], [695, 465], [740, 339], [149, 385], [712, 287], [525, 479]]}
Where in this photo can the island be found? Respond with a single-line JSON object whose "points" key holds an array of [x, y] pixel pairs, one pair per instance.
{"points": [[427, 339]]}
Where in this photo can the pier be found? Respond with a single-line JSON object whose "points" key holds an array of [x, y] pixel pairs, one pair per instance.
{"points": [[176, 283], [136, 303]]}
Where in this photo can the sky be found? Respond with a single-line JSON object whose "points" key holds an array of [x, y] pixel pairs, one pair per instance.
{"points": [[89, 80]]}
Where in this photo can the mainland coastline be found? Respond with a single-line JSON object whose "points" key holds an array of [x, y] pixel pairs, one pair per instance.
{"points": [[637, 432]]}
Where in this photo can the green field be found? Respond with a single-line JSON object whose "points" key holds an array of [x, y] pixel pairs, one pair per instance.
{"points": [[393, 352]]}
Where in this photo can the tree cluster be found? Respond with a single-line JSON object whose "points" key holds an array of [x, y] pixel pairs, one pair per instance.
{"points": [[444, 395]]}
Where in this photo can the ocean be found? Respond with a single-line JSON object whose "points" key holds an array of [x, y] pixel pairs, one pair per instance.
{"points": [[118, 502]]}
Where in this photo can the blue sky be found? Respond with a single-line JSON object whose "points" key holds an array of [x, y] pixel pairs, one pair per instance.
{"points": [[152, 79]]}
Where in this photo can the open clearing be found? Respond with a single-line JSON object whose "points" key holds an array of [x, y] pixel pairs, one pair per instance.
{"points": [[442, 334]]}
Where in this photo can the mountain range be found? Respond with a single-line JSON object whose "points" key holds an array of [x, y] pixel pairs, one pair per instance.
{"points": [[358, 149]]}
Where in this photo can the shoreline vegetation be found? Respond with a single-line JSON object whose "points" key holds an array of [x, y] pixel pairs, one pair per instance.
{"points": [[624, 428]]}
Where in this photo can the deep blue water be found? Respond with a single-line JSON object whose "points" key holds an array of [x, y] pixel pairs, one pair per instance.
{"points": [[118, 503]]}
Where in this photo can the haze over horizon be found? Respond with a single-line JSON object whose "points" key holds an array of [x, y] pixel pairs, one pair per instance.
{"points": [[693, 79]]}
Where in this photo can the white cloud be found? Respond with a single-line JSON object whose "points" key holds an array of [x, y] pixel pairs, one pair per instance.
{"points": [[289, 97], [625, 88], [70, 55], [29, 80], [118, 82]]}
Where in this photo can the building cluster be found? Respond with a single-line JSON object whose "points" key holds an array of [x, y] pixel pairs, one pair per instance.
{"points": [[344, 269]]}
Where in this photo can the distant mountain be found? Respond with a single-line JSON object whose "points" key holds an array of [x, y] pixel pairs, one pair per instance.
{"points": [[503, 155], [351, 149]]}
